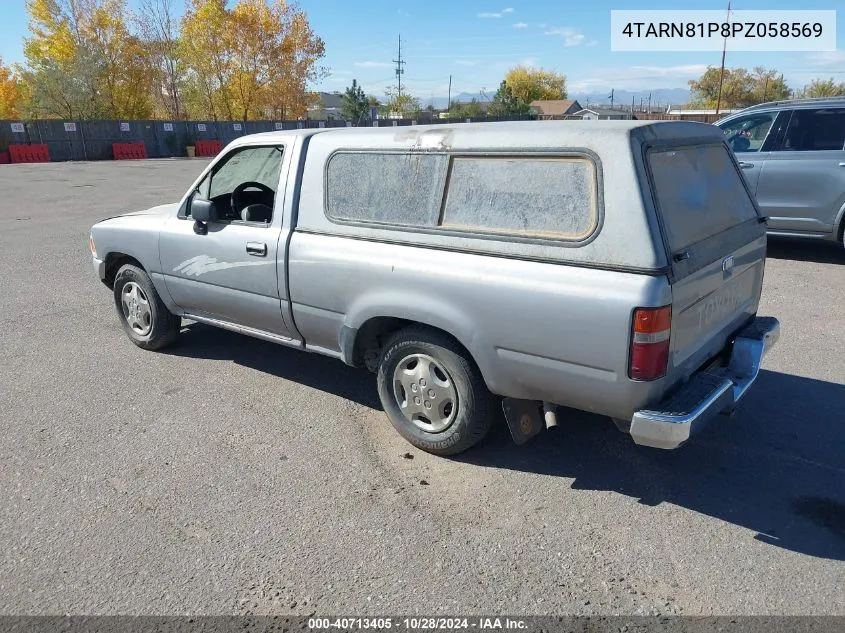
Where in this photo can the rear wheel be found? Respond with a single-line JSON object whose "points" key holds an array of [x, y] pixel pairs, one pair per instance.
{"points": [[432, 392], [143, 315]]}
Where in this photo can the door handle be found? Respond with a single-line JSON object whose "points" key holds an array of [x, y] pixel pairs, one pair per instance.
{"points": [[256, 248], [744, 165], [842, 164]]}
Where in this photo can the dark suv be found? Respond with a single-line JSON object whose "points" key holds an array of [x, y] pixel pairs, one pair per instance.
{"points": [[792, 154]]}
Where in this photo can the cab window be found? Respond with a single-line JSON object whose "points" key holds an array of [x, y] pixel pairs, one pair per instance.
{"points": [[243, 185]]}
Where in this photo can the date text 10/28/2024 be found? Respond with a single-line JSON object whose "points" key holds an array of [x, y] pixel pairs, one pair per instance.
{"points": [[417, 624]]}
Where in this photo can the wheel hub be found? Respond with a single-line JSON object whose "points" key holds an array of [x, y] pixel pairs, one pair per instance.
{"points": [[425, 393], [136, 308]]}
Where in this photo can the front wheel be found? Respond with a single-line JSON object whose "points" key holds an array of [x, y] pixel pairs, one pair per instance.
{"points": [[433, 392], [143, 315]]}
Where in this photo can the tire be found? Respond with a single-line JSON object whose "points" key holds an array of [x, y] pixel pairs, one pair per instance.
{"points": [[430, 362], [144, 317]]}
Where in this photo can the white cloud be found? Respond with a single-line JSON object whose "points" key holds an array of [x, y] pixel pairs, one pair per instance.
{"points": [[496, 14], [520, 25], [570, 37], [464, 62], [829, 58], [371, 64]]}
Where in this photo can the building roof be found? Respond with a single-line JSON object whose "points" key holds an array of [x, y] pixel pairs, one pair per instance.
{"points": [[605, 111], [554, 107], [330, 100]]}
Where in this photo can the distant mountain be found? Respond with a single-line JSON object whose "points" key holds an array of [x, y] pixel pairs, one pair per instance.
{"points": [[621, 98]]}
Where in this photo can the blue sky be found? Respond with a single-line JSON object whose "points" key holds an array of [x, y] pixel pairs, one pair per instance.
{"points": [[476, 41]]}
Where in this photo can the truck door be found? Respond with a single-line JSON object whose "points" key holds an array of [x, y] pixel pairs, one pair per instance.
{"points": [[228, 272]]}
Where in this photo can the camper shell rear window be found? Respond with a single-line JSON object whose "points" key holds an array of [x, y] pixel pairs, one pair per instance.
{"points": [[699, 192]]}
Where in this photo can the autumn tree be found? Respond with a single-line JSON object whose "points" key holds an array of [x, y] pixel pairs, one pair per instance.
{"points": [[205, 49], [529, 84], [253, 61], [159, 29], [740, 88], [83, 61], [354, 104], [823, 88], [298, 66], [11, 94]]}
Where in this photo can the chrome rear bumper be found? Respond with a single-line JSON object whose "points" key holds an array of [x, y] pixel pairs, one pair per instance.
{"points": [[708, 393]]}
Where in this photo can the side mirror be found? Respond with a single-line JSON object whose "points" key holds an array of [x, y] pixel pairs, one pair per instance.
{"points": [[202, 211]]}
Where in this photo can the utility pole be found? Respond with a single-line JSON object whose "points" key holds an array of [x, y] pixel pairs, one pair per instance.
{"points": [[611, 98], [649, 102], [400, 70], [722, 68], [449, 98]]}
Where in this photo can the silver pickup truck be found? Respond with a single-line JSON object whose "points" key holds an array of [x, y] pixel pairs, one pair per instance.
{"points": [[612, 267]]}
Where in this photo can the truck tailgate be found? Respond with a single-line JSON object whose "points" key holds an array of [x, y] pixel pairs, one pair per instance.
{"points": [[717, 244]]}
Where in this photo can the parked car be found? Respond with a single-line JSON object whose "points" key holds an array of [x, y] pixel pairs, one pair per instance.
{"points": [[792, 154], [615, 269]]}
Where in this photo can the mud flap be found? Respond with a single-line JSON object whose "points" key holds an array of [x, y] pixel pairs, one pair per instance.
{"points": [[524, 419]]}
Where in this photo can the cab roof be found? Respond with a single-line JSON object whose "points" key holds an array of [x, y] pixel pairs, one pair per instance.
{"points": [[504, 133]]}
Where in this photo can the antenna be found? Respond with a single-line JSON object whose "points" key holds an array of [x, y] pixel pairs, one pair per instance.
{"points": [[722, 68], [400, 70]]}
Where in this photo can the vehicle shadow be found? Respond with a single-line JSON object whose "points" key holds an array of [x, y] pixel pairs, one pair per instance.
{"points": [[805, 250], [776, 468], [313, 370]]}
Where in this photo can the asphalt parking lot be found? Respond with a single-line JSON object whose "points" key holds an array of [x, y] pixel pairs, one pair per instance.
{"points": [[229, 475]]}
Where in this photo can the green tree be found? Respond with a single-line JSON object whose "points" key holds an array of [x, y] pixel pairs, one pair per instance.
{"points": [[354, 104], [469, 110], [823, 88], [506, 104], [402, 106]]}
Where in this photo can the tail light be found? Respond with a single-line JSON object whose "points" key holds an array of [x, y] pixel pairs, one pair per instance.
{"points": [[650, 343]]}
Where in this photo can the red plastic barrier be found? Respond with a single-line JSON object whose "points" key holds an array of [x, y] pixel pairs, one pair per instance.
{"points": [[208, 148], [29, 153], [129, 151], [4, 158]]}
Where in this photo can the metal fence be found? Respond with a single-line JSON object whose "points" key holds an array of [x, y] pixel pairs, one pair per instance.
{"points": [[92, 140]]}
